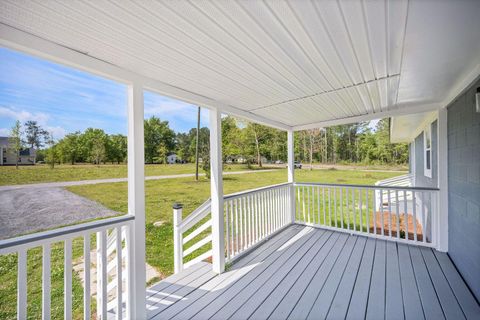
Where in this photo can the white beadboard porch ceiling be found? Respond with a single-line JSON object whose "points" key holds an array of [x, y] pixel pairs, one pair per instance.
{"points": [[298, 63]]}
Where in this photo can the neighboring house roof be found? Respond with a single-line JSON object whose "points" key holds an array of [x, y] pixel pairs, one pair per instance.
{"points": [[406, 128], [4, 142]]}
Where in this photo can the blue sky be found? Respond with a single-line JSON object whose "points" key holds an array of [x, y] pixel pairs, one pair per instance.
{"points": [[65, 100]]}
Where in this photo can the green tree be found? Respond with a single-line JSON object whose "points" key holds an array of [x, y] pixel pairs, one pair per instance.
{"points": [[35, 134], [69, 147], [52, 152], [15, 141], [94, 145], [156, 133], [117, 148]]}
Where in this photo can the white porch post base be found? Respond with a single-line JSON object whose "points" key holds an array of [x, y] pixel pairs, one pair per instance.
{"points": [[291, 172], [136, 203], [216, 190]]}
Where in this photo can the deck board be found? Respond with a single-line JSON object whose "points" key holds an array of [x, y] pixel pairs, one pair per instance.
{"points": [[358, 303], [393, 287], [411, 299], [289, 291], [257, 256], [376, 297], [304, 272]]}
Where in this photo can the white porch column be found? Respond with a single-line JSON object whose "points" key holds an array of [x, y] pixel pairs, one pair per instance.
{"points": [[291, 172], [216, 191], [1, 156], [441, 204], [136, 201]]}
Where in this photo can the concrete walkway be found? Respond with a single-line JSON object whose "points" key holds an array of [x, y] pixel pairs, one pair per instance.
{"points": [[63, 184]]}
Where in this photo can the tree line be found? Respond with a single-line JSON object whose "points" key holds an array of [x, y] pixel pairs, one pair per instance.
{"points": [[242, 141]]}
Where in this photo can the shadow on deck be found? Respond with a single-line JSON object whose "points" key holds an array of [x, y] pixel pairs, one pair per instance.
{"points": [[304, 273]]}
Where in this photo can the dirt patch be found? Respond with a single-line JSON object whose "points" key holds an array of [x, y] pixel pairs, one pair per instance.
{"points": [[386, 215]]}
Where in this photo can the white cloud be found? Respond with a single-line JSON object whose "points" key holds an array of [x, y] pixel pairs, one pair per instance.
{"points": [[23, 116], [4, 132]]}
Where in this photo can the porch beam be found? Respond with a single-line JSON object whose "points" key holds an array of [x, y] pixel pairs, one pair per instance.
{"points": [[398, 111], [441, 227], [216, 191], [136, 202], [291, 171]]}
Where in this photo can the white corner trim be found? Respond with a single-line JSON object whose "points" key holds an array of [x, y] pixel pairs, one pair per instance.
{"points": [[442, 170]]}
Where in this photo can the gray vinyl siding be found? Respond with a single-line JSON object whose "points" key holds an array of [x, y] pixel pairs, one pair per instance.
{"points": [[464, 187], [420, 179]]}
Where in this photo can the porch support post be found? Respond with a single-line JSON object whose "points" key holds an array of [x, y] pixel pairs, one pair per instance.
{"points": [[291, 172], [216, 190], [136, 203], [441, 203], [1, 156]]}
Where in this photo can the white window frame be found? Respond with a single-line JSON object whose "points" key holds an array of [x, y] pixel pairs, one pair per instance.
{"points": [[427, 167]]}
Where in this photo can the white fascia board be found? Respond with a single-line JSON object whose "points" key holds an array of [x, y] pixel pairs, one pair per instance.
{"points": [[28, 43], [399, 110], [462, 85]]}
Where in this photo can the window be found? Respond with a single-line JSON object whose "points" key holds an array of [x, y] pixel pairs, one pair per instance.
{"points": [[427, 147]]}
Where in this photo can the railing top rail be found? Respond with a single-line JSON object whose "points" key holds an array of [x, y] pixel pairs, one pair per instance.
{"points": [[366, 186], [196, 215], [242, 193], [44, 235]]}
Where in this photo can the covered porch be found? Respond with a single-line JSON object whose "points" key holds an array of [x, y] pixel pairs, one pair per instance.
{"points": [[303, 272], [296, 249]]}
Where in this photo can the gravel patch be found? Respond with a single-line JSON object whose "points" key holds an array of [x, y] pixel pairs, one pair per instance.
{"points": [[27, 210]]}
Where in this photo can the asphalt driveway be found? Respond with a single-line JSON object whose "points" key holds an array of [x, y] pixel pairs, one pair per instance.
{"points": [[25, 210]]}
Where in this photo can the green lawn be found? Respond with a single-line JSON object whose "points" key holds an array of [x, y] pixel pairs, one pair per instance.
{"points": [[9, 175], [160, 195]]}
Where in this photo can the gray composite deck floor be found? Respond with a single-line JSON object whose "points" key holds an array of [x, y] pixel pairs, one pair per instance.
{"points": [[308, 273]]}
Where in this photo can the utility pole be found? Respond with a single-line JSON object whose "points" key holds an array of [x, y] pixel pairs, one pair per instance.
{"points": [[196, 147]]}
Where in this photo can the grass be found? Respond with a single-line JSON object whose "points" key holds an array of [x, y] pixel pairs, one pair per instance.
{"points": [[160, 195], [9, 175]]}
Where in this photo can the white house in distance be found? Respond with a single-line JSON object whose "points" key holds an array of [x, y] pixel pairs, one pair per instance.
{"points": [[172, 158], [296, 250], [7, 157]]}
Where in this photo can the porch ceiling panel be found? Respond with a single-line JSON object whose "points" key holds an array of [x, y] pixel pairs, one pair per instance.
{"points": [[295, 62]]}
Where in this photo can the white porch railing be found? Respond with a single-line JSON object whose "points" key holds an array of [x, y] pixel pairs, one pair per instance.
{"points": [[398, 213], [199, 239], [405, 214], [254, 215], [250, 217], [111, 251]]}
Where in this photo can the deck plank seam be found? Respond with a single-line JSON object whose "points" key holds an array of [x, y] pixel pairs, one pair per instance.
{"points": [[314, 241], [370, 283], [328, 235], [401, 283], [343, 274], [323, 284], [308, 236], [282, 237], [314, 273], [450, 286], [433, 284], [416, 283], [356, 277]]}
